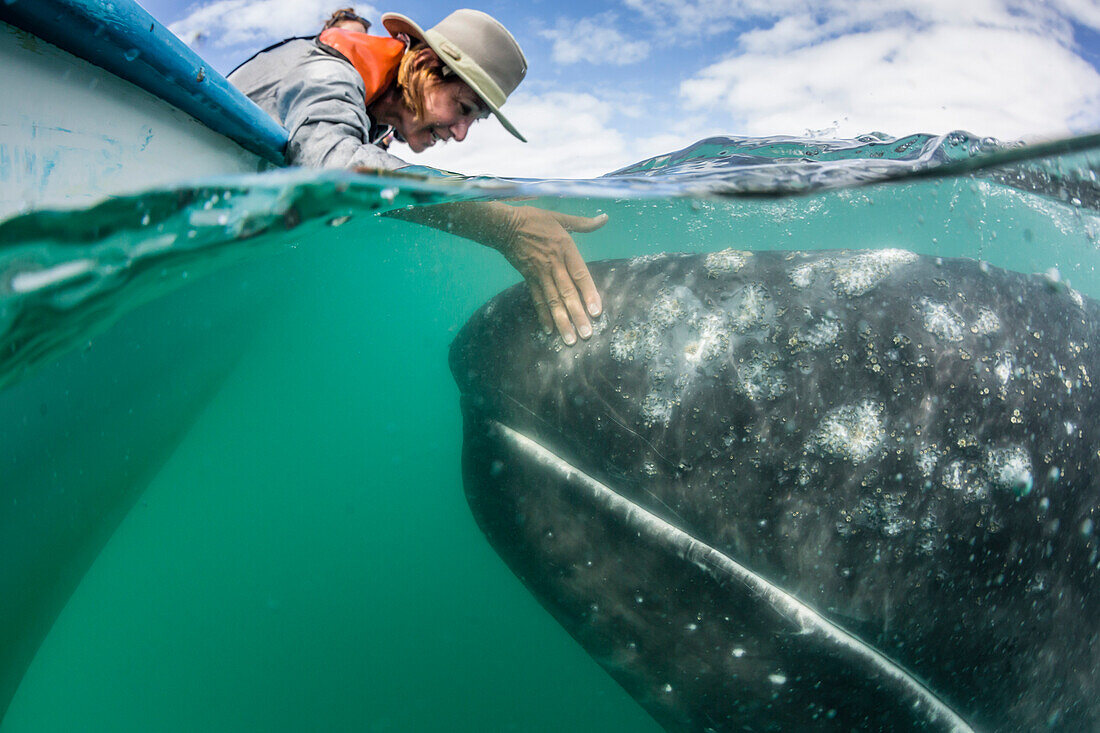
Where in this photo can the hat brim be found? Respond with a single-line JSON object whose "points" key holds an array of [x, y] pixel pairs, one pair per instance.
{"points": [[398, 24]]}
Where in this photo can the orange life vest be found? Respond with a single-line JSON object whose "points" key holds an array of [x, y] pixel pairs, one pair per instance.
{"points": [[375, 58]]}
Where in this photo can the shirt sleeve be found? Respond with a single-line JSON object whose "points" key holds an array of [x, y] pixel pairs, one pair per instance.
{"points": [[322, 104]]}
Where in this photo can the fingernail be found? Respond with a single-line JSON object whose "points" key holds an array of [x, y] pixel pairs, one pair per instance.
{"points": [[594, 309], [569, 339], [586, 331]]}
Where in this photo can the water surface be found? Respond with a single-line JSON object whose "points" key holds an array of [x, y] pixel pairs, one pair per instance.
{"points": [[248, 377]]}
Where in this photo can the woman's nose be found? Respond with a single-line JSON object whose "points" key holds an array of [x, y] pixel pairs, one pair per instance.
{"points": [[459, 130]]}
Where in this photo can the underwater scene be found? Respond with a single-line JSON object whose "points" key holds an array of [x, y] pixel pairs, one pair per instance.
{"points": [[275, 459]]}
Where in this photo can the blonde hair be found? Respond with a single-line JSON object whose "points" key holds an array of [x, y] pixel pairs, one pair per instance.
{"points": [[345, 15], [415, 82]]}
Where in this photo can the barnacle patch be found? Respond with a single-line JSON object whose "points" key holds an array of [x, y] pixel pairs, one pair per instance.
{"points": [[861, 273], [1010, 468], [822, 334], [1003, 370], [855, 432], [711, 338], [634, 341], [725, 262], [967, 478], [657, 408], [646, 259], [926, 460], [987, 322], [941, 321], [802, 276], [750, 307], [667, 309], [759, 377]]}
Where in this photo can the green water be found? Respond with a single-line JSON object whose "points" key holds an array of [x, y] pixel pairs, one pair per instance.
{"points": [[301, 557]]}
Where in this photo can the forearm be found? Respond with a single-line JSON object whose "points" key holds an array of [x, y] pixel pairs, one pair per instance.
{"points": [[491, 223]]}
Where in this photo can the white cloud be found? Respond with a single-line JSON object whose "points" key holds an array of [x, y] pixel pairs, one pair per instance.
{"points": [[571, 136], [595, 40], [903, 67], [1085, 12], [255, 22], [693, 18]]}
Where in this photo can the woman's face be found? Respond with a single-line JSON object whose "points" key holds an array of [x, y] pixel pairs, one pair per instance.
{"points": [[450, 107]]}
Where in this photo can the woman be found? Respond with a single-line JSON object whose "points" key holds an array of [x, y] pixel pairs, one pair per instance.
{"points": [[343, 92]]}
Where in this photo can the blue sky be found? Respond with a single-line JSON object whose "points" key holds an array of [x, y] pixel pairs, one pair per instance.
{"points": [[615, 81]]}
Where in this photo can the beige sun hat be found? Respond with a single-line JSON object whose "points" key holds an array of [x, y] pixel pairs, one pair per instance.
{"points": [[478, 49]]}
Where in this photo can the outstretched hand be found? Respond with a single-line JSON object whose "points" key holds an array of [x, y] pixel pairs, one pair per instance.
{"points": [[542, 250], [537, 243]]}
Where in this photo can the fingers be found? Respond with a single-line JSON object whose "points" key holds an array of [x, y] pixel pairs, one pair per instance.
{"points": [[582, 279], [564, 294], [541, 309], [582, 224], [571, 300], [560, 313]]}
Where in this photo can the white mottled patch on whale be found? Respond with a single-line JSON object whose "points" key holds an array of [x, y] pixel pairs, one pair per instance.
{"points": [[966, 477], [986, 323], [881, 513], [759, 377], [680, 335], [802, 276], [926, 459], [750, 308], [891, 520], [646, 259], [711, 338], [634, 341], [657, 408], [668, 308], [941, 321], [725, 262], [1010, 468], [821, 335], [1003, 370], [862, 272], [854, 432]]}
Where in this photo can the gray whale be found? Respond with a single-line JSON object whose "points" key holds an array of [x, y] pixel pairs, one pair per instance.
{"points": [[805, 490]]}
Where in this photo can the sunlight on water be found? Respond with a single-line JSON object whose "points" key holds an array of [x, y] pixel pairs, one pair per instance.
{"points": [[249, 378]]}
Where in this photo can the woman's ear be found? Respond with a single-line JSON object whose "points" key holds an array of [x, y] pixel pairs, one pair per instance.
{"points": [[426, 58]]}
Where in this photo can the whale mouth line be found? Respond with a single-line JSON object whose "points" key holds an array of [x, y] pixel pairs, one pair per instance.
{"points": [[723, 568]]}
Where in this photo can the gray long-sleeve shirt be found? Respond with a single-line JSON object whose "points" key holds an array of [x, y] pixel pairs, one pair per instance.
{"points": [[320, 99]]}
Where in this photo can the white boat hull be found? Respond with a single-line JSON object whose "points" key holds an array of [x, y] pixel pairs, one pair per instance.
{"points": [[72, 133]]}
